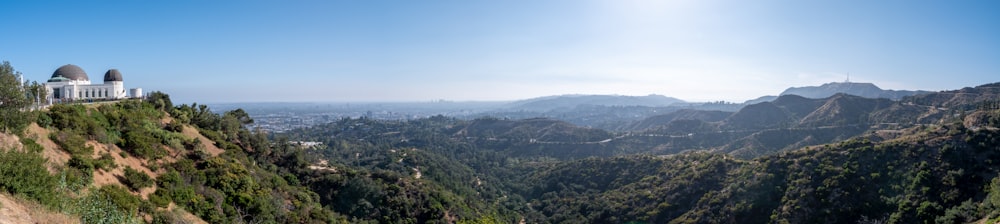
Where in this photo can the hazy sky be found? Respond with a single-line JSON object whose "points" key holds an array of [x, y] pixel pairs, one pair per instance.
{"points": [[252, 51]]}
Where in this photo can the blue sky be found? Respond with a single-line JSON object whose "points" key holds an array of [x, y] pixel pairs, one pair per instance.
{"points": [[256, 51]]}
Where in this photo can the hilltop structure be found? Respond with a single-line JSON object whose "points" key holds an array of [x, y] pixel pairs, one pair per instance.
{"points": [[70, 83]]}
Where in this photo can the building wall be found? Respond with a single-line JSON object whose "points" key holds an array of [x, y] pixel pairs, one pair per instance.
{"points": [[75, 90]]}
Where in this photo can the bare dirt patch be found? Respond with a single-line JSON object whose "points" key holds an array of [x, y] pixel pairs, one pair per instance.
{"points": [[102, 177], [56, 156], [166, 120], [323, 166], [209, 145]]}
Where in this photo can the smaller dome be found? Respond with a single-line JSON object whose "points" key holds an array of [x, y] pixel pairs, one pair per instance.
{"points": [[112, 75]]}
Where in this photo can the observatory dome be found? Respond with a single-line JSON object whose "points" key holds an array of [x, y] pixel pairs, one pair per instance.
{"points": [[70, 72], [113, 75]]}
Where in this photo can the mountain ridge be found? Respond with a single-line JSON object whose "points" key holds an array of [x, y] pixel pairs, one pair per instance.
{"points": [[867, 90], [573, 100]]}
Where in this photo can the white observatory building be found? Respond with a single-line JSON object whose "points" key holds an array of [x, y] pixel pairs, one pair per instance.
{"points": [[70, 83]]}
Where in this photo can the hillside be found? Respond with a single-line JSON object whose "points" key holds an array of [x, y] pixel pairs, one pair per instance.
{"points": [[132, 161], [538, 129], [687, 114], [936, 174]]}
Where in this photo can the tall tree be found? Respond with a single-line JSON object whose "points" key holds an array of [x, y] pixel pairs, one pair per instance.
{"points": [[13, 100]]}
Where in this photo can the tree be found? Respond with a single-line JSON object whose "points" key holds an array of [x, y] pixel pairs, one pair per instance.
{"points": [[160, 100], [13, 100], [36, 94], [240, 115]]}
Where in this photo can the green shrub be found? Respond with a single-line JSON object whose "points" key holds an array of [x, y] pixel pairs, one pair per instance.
{"points": [[72, 142], [121, 197], [165, 218], [142, 144], [174, 126], [160, 198], [31, 146], [109, 137], [106, 162], [84, 163], [193, 144], [136, 180], [175, 143], [211, 135], [108, 204], [44, 120], [75, 179], [24, 173], [171, 178]]}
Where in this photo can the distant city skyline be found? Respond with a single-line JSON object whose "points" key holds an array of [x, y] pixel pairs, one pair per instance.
{"points": [[399, 51]]}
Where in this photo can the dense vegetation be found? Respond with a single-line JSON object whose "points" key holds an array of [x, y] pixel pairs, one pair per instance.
{"points": [[939, 172], [942, 171]]}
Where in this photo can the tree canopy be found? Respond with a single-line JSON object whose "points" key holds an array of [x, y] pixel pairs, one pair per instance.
{"points": [[13, 100]]}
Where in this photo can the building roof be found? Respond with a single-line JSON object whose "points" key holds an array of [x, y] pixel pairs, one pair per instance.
{"points": [[58, 79], [71, 72], [112, 75]]}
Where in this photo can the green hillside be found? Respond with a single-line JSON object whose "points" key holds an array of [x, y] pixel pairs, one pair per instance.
{"points": [[148, 161]]}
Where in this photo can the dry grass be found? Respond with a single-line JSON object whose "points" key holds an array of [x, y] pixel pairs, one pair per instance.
{"points": [[182, 216], [17, 210], [8, 141]]}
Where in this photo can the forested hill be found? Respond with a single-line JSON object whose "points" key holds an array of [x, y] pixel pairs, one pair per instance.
{"points": [[945, 174], [939, 173]]}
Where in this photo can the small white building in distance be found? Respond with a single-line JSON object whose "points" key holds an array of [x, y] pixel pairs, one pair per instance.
{"points": [[70, 83]]}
